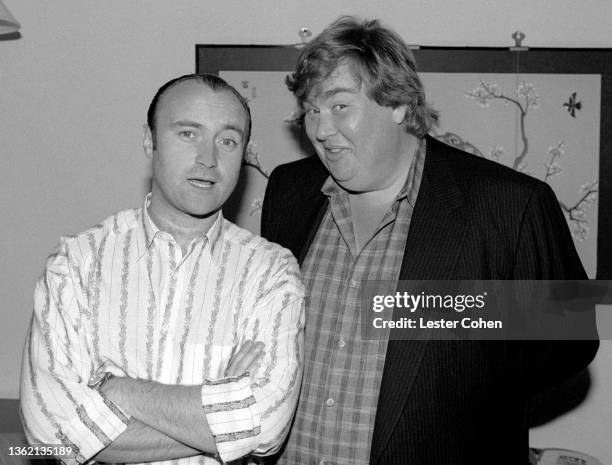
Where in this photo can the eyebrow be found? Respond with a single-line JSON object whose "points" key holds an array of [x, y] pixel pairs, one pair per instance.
{"points": [[331, 92], [188, 123], [233, 127], [193, 124]]}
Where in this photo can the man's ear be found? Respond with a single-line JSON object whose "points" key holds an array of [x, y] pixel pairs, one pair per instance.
{"points": [[399, 114], [147, 141]]}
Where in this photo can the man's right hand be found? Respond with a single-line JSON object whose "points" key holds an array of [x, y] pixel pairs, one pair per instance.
{"points": [[246, 359]]}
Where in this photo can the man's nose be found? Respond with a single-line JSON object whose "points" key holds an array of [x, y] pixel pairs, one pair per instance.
{"points": [[207, 154], [325, 127]]}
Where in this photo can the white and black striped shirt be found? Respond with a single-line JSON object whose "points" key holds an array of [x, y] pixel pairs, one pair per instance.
{"points": [[122, 298]]}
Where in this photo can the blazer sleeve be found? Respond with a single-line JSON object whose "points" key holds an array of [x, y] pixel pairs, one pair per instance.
{"points": [[545, 248], [545, 251]]}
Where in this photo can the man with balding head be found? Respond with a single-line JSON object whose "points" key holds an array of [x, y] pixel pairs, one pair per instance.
{"points": [[166, 332]]}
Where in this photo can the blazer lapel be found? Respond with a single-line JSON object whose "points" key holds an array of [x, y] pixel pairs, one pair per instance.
{"points": [[434, 242], [305, 206], [305, 220]]}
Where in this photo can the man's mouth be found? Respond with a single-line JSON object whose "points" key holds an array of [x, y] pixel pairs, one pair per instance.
{"points": [[334, 151], [201, 183]]}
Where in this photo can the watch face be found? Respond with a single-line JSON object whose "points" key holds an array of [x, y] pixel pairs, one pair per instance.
{"points": [[98, 380]]}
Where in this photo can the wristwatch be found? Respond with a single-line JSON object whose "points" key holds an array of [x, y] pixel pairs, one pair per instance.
{"points": [[98, 381]]}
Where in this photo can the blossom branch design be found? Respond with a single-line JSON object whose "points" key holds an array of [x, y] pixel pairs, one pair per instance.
{"points": [[251, 158], [552, 167], [527, 98], [488, 91], [577, 213], [257, 167]]}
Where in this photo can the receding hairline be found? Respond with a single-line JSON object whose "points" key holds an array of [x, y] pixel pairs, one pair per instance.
{"points": [[219, 90]]}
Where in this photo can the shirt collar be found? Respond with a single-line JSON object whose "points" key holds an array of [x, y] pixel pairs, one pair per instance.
{"points": [[214, 236], [150, 229], [331, 187], [413, 180]]}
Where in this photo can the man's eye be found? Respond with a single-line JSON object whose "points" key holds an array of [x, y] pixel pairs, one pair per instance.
{"points": [[187, 134], [310, 111], [229, 143], [340, 107]]}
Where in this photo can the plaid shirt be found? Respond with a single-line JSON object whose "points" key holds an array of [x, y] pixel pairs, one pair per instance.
{"points": [[337, 406]]}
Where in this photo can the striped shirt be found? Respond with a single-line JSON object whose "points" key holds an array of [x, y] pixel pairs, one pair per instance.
{"points": [[122, 298], [342, 374]]}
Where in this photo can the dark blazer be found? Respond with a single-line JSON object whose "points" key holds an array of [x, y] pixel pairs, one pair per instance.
{"points": [[454, 402]]}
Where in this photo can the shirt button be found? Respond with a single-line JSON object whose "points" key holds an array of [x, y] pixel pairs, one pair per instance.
{"points": [[353, 283], [330, 402], [341, 342]]}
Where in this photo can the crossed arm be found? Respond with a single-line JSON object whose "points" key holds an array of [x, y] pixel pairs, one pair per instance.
{"points": [[141, 443], [168, 421]]}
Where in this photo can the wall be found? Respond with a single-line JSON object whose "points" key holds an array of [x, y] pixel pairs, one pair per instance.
{"points": [[74, 91]]}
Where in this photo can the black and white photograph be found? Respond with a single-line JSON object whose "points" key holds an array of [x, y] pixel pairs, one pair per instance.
{"points": [[297, 233]]}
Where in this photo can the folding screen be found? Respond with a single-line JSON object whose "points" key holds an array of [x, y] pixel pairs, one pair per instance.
{"points": [[546, 112]]}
